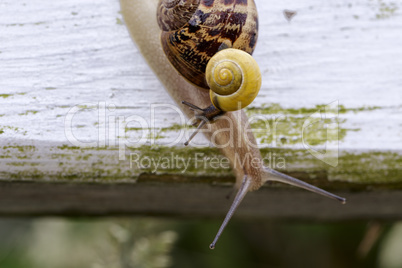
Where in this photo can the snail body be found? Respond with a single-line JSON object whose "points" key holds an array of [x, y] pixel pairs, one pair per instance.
{"points": [[217, 28]]}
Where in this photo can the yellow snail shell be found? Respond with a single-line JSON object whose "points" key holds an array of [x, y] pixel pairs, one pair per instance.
{"points": [[234, 79]]}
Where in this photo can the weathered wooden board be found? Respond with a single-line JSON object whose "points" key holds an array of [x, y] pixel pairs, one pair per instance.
{"points": [[189, 200], [77, 102]]}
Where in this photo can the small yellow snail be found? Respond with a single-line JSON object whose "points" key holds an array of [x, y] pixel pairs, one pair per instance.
{"points": [[193, 32], [234, 79], [210, 44]]}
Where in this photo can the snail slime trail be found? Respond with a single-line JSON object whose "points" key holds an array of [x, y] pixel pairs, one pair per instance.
{"points": [[209, 45]]}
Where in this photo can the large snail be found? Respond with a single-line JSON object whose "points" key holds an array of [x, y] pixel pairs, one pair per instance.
{"points": [[193, 33]]}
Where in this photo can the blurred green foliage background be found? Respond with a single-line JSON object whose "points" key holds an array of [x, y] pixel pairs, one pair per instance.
{"points": [[163, 242]]}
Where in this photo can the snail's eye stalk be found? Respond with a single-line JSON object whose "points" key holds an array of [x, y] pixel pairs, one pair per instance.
{"points": [[280, 177], [202, 116], [236, 202], [203, 122]]}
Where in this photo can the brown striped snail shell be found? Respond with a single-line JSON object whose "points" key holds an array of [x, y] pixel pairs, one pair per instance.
{"points": [[193, 31]]}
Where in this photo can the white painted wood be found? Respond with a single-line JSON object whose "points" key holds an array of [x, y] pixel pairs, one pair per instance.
{"points": [[55, 56]]}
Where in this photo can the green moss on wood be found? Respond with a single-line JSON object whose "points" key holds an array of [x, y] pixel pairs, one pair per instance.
{"points": [[159, 163], [276, 108], [29, 112], [5, 96], [3, 129], [67, 162]]}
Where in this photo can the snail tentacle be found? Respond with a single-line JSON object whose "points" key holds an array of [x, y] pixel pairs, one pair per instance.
{"points": [[243, 190], [202, 116], [280, 177]]}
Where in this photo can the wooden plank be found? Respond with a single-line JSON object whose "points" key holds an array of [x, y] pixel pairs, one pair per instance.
{"points": [[71, 76], [185, 200]]}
